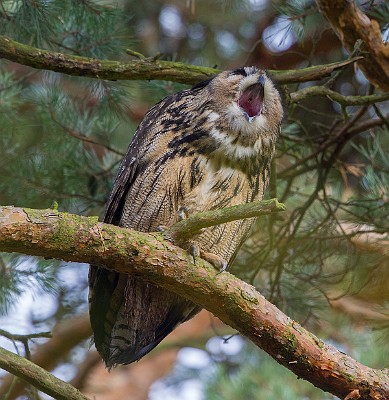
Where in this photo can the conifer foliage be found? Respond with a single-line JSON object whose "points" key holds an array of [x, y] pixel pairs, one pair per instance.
{"points": [[323, 261]]}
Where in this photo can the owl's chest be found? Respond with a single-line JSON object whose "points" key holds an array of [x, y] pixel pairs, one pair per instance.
{"points": [[218, 188]]}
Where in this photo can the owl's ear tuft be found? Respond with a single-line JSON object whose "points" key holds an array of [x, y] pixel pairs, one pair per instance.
{"points": [[201, 85]]}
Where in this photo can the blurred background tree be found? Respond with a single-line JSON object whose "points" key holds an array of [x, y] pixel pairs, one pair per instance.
{"points": [[324, 262]]}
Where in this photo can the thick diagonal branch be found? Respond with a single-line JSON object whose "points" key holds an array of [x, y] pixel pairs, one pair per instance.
{"points": [[351, 24], [73, 238]]}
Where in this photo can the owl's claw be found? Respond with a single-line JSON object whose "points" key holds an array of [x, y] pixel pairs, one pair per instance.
{"points": [[218, 262], [165, 233], [183, 213], [161, 228], [223, 268], [194, 251]]}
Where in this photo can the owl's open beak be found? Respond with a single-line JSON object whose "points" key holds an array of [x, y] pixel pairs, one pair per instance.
{"points": [[251, 100]]}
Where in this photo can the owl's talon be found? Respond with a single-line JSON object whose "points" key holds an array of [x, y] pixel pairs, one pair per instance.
{"points": [[183, 213], [223, 268], [165, 233], [194, 251], [218, 262]]}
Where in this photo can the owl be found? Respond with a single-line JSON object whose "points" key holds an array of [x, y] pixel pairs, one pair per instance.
{"points": [[204, 148]]}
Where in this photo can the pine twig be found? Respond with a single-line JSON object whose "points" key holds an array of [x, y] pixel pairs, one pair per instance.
{"points": [[65, 335], [194, 223], [23, 338]]}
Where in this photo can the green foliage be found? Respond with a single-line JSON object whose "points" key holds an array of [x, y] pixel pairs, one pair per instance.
{"points": [[380, 12], [22, 274], [63, 137], [260, 378], [302, 18], [95, 29]]}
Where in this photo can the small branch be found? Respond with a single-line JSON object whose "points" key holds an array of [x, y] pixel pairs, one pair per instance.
{"points": [[38, 377], [23, 338], [313, 73], [50, 233], [66, 334], [335, 96], [194, 223], [142, 68]]}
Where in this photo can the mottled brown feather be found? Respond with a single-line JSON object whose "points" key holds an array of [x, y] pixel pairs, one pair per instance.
{"points": [[195, 150]]}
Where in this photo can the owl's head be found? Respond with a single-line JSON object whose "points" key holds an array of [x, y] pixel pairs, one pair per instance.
{"points": [[247, 102]]}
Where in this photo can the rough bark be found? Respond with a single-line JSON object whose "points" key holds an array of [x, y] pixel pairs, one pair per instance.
{"points": [[53, 234], [351, 24], [142, 68]]}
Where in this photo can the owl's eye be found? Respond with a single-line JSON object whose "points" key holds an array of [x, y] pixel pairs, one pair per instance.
{"points": [[251, 100]]}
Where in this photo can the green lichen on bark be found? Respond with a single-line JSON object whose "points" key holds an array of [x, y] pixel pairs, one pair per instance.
{"points": [[168, 266], [141, 68], [36, 216]]}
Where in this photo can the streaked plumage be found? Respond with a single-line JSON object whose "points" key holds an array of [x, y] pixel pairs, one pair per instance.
{"points": [[204, 148]]}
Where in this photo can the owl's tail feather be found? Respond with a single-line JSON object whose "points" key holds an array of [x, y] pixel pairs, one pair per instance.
{"points": [[130, 317]]}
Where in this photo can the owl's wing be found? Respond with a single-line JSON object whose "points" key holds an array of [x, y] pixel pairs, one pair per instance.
{"points": [[165, 117], [130, 317], [106, 288], [128, 170], [133, 163]]}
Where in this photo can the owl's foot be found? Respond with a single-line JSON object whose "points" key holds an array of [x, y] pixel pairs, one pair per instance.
{"points": [[165, 233], [194, 251], [182, 213], [218, 262]]}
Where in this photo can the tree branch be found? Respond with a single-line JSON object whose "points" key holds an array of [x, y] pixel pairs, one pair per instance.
{"points": [[335, 96], [50, 233], [194, 223], [140, 69], [351, 24], [66, 335], [38, 377]]}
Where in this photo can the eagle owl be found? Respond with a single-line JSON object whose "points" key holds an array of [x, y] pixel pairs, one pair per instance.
{"points": [[204, 148]]}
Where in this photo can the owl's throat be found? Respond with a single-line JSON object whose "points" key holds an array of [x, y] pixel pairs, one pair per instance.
{"points": [[251, 101]]}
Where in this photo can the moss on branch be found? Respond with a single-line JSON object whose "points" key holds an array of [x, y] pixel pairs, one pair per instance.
{"points": [[38, 377], [50, 233], [142, 68], [196, 222]]}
